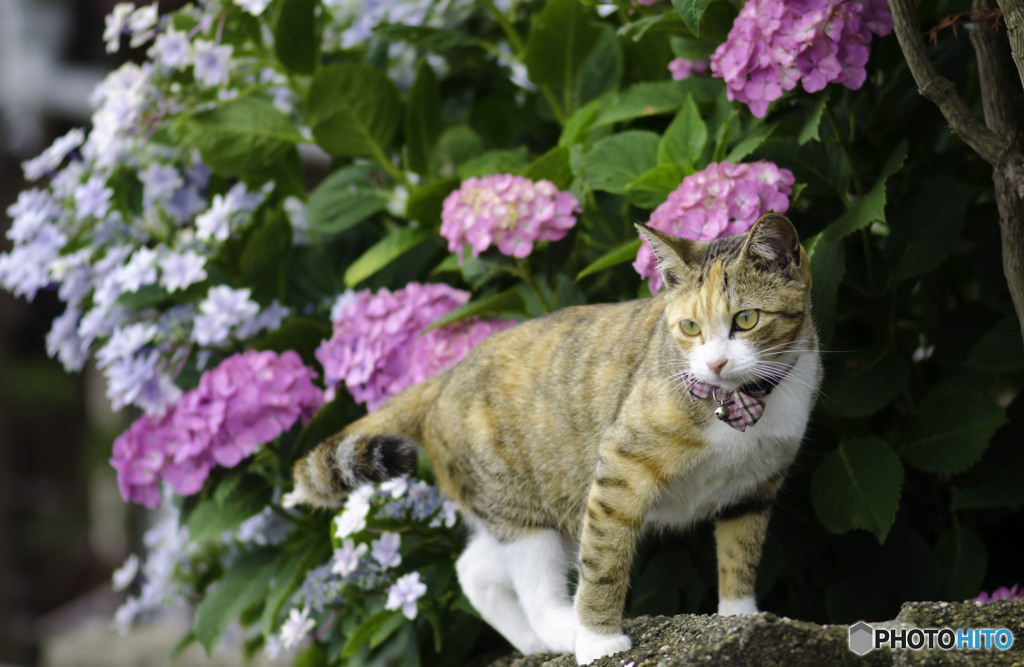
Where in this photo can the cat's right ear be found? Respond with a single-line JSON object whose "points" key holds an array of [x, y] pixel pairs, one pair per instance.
{"points": [[672, 253]]}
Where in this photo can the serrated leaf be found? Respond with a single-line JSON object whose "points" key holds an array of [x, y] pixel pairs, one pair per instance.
{"points": [[858, 486], [998, 351], [560, 38], [422, 119], [391, 247], [553, 166], [864, 382], [354, 110], [823, 167], [750, 142], [620, 159], [653, 188], [828, 264], [951, 428], [508, 302], [620, 254], [343, 199], [244, 135], [243, 584], [684, 139], [810, 129], [263, 264], [962, 559], [871, 207], [295, 39], [691, 12], [366, 630], [652, 98]]}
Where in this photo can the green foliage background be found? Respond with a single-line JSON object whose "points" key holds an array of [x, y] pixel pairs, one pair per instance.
{"points": [[908, 487]]}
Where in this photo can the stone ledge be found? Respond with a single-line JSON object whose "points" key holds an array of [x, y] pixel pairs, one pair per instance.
{"points": [[766, 639]]}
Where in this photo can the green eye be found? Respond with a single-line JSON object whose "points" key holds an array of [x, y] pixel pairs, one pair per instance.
{"points": [[745, 320], [689, 327]]}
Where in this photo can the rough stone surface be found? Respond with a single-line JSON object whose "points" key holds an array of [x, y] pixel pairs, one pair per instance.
{"points": [[766, 639]]}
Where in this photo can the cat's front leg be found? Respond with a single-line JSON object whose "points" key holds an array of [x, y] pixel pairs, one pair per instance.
{"points": [[739, 535], [617, 504]]}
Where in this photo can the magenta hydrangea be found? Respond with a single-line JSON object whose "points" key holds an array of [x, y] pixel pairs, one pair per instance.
{"points": [[249, 399], [1001, 593], [508, 211], [377, 349], [684, 69], [721, 200], [774, 44]]}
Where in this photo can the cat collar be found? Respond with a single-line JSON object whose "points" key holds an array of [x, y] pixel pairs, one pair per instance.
{"points": [[741, 407]]}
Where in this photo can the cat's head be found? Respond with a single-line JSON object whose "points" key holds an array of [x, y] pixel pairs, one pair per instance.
{"points": [[739, 307]]}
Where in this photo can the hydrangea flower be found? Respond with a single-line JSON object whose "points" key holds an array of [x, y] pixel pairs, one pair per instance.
{"points": [[346, 559], [377, 350], [684, 69], [296, 627], [722, 199], [773, 44], [385, 550], [405, 593], [508, 211], [1001, 593], [249, 399]]}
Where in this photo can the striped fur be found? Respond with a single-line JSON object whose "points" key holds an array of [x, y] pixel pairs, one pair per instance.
{"points": [[574, 433]]}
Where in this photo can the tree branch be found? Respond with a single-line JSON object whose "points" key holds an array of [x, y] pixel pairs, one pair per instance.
{"points": [[1013, 17]]}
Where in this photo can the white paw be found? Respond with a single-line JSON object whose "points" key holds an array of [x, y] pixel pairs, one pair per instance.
{"points": [[736, 607], [590, 646], [558, 630]]}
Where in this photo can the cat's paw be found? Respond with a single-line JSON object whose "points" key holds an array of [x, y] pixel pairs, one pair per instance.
{"points": [[736, 607], [557, 629], [590, 645]]}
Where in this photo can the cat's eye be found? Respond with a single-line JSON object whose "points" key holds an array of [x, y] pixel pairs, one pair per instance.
{"points": [[689, 327], [745, 320]]}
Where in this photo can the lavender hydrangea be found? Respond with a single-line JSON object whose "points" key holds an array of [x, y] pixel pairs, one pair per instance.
{"points": [[774, 44], [510, 212], [247, 400], [377, 350], [722, 199]]}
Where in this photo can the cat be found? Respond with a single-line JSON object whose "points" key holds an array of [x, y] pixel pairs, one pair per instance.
{"points": [[564, 438]]}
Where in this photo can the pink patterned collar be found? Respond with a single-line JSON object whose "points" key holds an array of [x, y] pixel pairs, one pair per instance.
{"points": [[741, 407]]}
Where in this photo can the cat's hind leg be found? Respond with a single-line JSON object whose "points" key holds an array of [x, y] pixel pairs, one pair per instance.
{"points": [[487, 583], [539, 565]]}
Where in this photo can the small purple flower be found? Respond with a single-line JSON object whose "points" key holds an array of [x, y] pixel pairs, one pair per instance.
{"points": [[92, 198], [404, 594], [385, 550], [212, 62], [684, 69], [178, 270]]}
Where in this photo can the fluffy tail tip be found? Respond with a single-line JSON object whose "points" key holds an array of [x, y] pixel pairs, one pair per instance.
{"points": [[326, 475]]}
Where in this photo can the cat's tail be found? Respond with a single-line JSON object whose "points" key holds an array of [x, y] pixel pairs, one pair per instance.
{"points": [[376, 448]]}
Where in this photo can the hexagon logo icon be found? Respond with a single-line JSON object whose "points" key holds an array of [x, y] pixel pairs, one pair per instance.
{"points": [[862, 638]]}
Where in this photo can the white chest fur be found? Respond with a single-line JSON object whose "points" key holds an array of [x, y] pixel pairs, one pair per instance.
{"points": [[734, 462]]}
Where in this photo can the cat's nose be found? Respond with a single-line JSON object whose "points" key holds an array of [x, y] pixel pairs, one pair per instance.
{"points": [[717, 365]]}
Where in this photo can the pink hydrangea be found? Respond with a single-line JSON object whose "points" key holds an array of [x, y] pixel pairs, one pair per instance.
{"points": [[684, 69], [249, 399], [508, 211], [775, 43], [1002, 593], [723, 199], [377, 349]]}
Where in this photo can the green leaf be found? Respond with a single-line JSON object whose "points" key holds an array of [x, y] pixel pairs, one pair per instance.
{"points": [[244, 135], [691, 12], [578, 127], [354, 110], [828, 264], [871, 207], [503, 161], [858, 486], [652, 98], [560, 38], [426, 202], [213, 516], [932, 230], [242, 585], [865, 381], [553, 166], [263, 264], [301, 334], [457, 145], [620, 159], [367, 630], [992, 493], [750, 142], [810, 129], [295, 38], [345, 198], [962, 559], [684, 140], [287, 579], [602, 69], [823, 167], [654, 187], [391, 247], [509, 302], [422, 119], [691, 49], [620, 254], [951, 428], [1000, 350]]}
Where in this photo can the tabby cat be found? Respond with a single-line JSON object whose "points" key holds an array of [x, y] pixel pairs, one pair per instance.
{"points": [[565, 438]]}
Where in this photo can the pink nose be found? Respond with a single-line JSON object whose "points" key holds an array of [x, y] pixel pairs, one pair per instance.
{"points": [[717, 366]]}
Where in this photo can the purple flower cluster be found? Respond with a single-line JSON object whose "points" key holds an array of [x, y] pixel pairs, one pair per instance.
{"points": [[1002, 593], [775, 43], [377, 350], [684, 69], [249, 399], [508, 211], [723, 199]]}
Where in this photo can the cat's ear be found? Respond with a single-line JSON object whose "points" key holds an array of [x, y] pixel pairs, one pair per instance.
{"points": [[773, 245], [672, 252]]}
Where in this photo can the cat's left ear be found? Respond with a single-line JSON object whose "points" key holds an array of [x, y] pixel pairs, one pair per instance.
{"points": [[672, 252], [773, 245]]}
